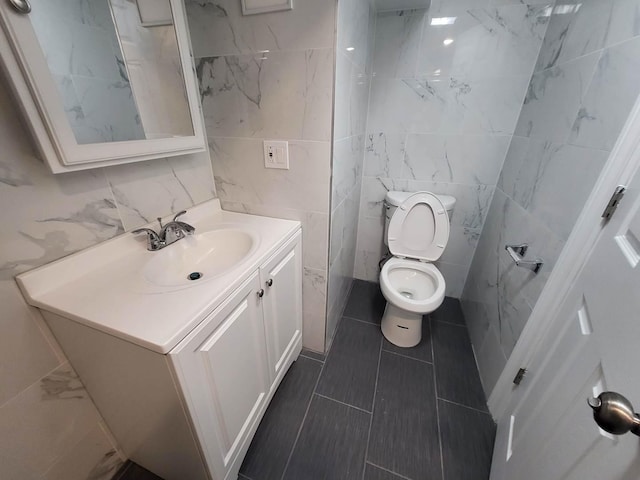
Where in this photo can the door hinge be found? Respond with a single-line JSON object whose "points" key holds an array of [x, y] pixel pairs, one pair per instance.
{"points": [[618, 193], [519, 376]]}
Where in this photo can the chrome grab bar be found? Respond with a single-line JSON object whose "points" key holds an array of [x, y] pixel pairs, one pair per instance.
{"points": [[517, 252]]}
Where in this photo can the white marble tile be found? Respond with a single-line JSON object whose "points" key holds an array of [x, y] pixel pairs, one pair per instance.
{"points": [[22, 344], [374, 190], [538, 178], [348, 157], [50, 216], [461, 245], [446, 105], [353, 30], [147, 190], [484, 42], [397, 42], [472, 201], [367, 266], [491, 362], [611, 95], [358, 101], [342, 105], [577, 28], [623, 21], [47, 420], [195, 174], [336, 233], [93, 458], [454, 277], [218, 27], [240, 176], [384, 154], [371, 234], [553, 99], [475, 317], [465, 159], [314, 288], [243, 96]]}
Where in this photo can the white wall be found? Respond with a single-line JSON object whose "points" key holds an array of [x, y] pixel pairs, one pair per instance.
{"points": [[270, 76], [586, 80], [356, 27], [441, 115], [49, 427]]}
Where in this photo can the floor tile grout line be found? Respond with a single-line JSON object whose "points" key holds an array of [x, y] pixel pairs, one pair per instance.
{"points": [[435, 391], [304, 419], [343, 403], [388, 471], [373, 407], [464, 406], [361, 321], [406, 356], [311, 358], [450, 323]]}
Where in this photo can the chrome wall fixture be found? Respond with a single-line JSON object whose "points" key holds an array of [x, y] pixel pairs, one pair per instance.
{"points": [[22, 6], [517, 253]]}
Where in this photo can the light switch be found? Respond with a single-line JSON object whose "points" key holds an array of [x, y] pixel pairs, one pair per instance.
{"points": [[276, 154]]}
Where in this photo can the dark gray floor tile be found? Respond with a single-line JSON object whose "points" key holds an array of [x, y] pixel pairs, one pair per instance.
{"points": [[365, 302], [467, 442], [422, 351], [457, 377], [332, 443], [271, 446], [450, 311], [349, 373], [404, 431], [372, 472], [133, 471], [311, 354]]}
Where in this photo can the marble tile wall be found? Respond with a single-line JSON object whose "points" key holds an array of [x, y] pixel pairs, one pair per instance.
{"points": [[356, 27], [49, 427], [586, 80], [443, 106], [270, 76], [83, 53]]}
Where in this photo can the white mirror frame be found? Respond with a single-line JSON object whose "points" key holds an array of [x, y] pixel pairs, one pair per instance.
{"points": [[248, 7], [25, 65]]}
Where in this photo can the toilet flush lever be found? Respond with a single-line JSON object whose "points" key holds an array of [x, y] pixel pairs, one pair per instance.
{"points": [[517, 252]]}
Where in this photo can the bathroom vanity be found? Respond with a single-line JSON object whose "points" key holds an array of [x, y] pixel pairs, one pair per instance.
{"points": [[182, 370]]}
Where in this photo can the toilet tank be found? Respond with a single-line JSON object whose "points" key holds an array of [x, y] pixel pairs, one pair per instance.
{"points": [[394, 199]]}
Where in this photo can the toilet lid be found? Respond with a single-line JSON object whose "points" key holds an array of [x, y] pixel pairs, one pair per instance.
{"points": [[419, 228]]}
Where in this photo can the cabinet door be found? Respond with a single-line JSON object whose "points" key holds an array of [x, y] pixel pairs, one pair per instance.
{"points": [[281, 278], [223, 372]]}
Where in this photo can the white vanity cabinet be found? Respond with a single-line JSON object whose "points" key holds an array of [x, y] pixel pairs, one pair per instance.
{"points": [[229, 367], [189, 410]]}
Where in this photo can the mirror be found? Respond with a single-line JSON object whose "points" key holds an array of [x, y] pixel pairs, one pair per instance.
{"points": [[116, 66]]}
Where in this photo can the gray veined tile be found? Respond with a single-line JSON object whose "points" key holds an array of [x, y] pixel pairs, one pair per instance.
{"points": [[371, 472], [365, 302], [332, 443], [349, 373], [272, 444], [467, 442], [450, 311], [457, 377], [404, 431]]}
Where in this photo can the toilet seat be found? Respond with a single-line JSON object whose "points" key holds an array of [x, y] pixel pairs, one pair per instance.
{"points": [[412, 285], [419, 228]]}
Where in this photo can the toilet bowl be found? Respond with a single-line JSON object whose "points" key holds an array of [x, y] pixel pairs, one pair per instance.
{"points": [[417, 233]]}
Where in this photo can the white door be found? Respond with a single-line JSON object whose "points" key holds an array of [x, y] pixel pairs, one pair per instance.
{"points": [[593, 345]]}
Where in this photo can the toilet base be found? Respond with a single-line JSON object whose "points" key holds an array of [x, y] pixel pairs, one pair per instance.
{"points": [[400, 327]]}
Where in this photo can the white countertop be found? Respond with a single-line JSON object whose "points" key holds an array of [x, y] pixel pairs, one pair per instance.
{"points": [[103, 286]]}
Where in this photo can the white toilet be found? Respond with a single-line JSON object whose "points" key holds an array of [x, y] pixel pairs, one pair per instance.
{"points": [[416, 232]]}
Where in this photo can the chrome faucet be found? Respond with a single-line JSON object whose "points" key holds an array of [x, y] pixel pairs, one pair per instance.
{"points": [[168, 234]]}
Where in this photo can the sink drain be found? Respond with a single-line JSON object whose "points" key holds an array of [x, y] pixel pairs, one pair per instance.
{"points": [[194, 276]]}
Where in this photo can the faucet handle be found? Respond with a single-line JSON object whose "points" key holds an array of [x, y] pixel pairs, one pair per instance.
{"points": [[153, 239], [178, 214]]}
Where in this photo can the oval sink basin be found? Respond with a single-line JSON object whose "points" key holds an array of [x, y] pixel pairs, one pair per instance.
{"points": [[196, 258]]}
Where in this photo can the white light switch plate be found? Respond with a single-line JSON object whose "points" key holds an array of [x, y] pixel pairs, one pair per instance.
{"points": [[276, 154]]}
